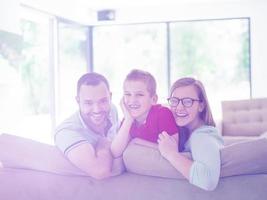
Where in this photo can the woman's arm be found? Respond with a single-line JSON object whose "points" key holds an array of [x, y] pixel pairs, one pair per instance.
{"points": [[168, 147], [205, 171]]}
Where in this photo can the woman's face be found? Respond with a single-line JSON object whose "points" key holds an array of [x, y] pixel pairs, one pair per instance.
{"points": [[187, 112]]}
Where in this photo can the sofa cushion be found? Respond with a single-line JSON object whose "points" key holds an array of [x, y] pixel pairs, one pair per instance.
{"points": [[22, 153], [248, 157], [16, 152], [240, 158], [244, 117], [264, 135], [148, 161], [229, 140]]}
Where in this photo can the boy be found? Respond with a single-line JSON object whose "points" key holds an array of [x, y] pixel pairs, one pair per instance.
{"points": [[143, 120]]}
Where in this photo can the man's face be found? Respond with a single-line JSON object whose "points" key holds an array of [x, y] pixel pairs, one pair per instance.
{"points": [[94, 103]]}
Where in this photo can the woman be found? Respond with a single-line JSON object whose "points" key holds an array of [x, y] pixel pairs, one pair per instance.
{"points": [[198, 135]]}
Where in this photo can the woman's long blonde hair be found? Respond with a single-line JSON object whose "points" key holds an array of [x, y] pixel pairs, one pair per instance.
{"points": [[206, 114]]}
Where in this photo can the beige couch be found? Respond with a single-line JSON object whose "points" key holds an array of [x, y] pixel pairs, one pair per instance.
{"points": [[33, 170], [244, 119]]}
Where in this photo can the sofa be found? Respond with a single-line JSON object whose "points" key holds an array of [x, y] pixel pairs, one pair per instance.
{"points": [[243, 119], [35, 171]]}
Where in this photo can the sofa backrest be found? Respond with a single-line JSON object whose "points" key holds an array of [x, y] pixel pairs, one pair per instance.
{"points": [[244, 117]]}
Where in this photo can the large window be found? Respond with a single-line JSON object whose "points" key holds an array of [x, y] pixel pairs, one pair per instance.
{"points": [[118, 49], [73, 53], [25, 80], [11, 101], [39, 69], [214, 51], [34, 95]]}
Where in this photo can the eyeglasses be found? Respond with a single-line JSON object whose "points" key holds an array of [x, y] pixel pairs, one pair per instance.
{"points": [[187, 101]]}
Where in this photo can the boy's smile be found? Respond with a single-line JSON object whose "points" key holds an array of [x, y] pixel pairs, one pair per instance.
{"points": [[137, 99]]}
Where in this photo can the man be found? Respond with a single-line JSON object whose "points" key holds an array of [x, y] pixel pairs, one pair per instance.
{"points": [[87, 136]]}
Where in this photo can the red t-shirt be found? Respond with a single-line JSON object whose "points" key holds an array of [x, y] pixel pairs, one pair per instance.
{"points": [[159, 119]]}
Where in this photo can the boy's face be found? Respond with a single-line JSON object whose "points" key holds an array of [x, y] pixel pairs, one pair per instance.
{"points": [[137, 99]]}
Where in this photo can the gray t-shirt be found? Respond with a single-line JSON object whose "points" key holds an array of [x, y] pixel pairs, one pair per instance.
{"points": [[73, 131]]}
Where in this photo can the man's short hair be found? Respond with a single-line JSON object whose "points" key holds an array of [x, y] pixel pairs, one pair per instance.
{"points": [[91, 78], [145, 77]]}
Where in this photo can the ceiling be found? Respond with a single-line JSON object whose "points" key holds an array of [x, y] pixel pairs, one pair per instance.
{"points": [[119, 4], [85, 11]]}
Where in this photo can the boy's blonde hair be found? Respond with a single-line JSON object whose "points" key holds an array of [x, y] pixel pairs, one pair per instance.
{"points": [[145, 77], [206, 114]]}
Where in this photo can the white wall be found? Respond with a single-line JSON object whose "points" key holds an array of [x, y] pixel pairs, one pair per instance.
{"points": [[9, 16], [259, 51], [71, 10]]}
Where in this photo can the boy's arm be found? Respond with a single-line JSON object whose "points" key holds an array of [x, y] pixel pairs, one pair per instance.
{"points": [[122, 138]]}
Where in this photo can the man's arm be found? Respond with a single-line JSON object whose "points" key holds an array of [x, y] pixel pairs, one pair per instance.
{"points": [[97, 163]]}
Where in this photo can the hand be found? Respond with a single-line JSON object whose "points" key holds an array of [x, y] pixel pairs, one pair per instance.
{"points": [[103, 148], [103, 143], [168, 145], [103, 153], [126, 113]]}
